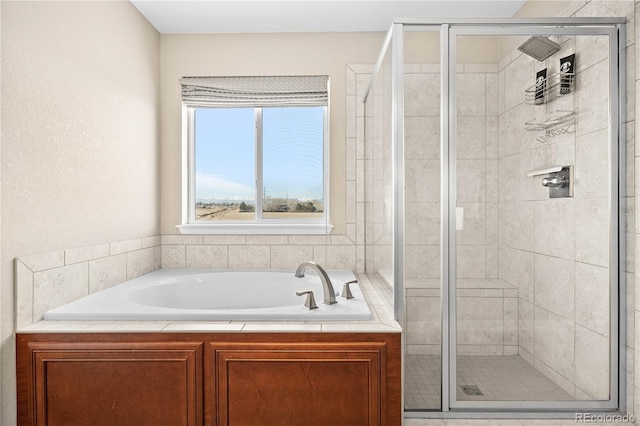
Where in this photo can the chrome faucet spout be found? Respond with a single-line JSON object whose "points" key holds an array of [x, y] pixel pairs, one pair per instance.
{"points": [[327, 287]]}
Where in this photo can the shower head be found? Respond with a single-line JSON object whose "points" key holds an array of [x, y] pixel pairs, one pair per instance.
{"points": [[539, 48]]}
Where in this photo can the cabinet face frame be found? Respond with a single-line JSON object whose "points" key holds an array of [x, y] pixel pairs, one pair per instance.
{"points": [[380, 352]]}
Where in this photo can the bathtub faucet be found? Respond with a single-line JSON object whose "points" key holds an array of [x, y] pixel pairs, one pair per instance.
{"points": [[327, 287]]}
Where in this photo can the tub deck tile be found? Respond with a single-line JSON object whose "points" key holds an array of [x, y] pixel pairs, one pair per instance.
{"points": [[280, 327], [358, 328], [128, 326], [53, 326], [204, 326]]}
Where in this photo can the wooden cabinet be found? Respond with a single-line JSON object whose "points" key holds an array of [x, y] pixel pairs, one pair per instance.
{"points": [[176, 379]]}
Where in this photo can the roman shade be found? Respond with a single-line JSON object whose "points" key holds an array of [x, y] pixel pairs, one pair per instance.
{"points": [[266, 91]]}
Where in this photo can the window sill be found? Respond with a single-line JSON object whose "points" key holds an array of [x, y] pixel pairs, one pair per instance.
{"points": [[257, 228]]}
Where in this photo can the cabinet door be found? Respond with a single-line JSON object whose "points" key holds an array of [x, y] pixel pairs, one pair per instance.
{"points": [[117, 384], [300, 385]]}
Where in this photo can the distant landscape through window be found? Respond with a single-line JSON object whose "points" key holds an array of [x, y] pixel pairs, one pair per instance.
{"points": [[244, 156]]}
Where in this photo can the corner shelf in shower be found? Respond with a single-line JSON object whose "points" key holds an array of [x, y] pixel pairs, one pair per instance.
{"points": [[556, 118], [555, 85]]}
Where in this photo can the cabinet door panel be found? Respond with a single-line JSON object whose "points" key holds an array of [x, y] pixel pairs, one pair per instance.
{"points": [[119, 387], [299, 387]]}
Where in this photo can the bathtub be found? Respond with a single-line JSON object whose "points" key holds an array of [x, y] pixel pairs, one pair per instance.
{"points": [[213, 295]]}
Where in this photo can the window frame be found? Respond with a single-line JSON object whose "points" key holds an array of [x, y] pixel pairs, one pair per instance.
{"points": [[259, 225]]}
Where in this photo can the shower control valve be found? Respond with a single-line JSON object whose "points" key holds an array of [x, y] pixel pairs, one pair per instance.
{"points": [[554, 182], [559, 180]]}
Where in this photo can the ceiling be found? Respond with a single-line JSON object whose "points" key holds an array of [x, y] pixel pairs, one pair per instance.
{"points": [[251, 16]]}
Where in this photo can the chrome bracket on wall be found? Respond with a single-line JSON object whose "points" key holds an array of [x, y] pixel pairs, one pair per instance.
{"points": [[559, 180]]}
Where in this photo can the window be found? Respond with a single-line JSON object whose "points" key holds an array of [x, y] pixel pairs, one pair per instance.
{"points": [[255, 161]]}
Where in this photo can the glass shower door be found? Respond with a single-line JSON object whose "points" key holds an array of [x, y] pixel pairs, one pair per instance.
{"points": [[422, 209], [533, 208]]}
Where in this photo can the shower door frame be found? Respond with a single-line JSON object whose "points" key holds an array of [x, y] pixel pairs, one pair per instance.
{"points": [[615, 29], [613, 33]]}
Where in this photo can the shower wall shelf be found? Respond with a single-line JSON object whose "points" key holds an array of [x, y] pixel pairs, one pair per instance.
{"points": [[556, 118], [545, 170], [555, 85]]}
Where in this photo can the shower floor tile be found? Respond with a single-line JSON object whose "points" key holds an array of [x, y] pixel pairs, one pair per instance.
{"points": [[499, 378]]}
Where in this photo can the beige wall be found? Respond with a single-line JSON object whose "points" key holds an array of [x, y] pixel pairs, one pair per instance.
{"points": [[258, 54], [80, 156], [423, 47]]}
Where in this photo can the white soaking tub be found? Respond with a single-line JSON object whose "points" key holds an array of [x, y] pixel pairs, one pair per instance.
{"points": [[215, 295]]}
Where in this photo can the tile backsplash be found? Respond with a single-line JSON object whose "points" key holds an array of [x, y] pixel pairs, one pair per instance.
{"points": [[257, 251], [45, 281]]}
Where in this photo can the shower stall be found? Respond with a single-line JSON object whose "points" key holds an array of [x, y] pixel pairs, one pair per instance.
{"points": [[494, 199]]}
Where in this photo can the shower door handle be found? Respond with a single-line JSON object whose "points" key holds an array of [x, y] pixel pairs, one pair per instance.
{"points": [[459, 218]]}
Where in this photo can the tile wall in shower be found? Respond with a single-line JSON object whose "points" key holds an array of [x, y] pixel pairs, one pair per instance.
{"points": [[489, 325], [556, 251], [488, 309]]}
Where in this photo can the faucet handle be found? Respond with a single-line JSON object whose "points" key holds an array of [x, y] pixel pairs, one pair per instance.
{"points": [[310, 302], [346, 291]]}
